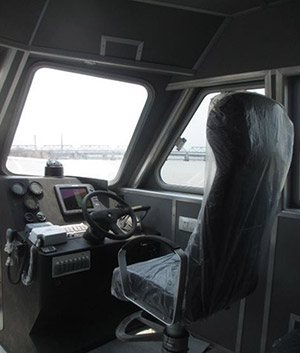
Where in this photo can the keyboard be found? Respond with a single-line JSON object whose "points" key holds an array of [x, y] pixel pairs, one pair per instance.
{"points": [[75, 230]]}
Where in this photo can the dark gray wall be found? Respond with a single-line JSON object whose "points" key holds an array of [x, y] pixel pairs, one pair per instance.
{"points": [[256, 41], [285, 299]]}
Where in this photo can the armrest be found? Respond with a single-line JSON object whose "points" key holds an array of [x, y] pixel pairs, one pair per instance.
{"points": [[182, 275]]}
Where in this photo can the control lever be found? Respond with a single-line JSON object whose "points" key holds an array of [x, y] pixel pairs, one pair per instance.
{"points": [[141, 208]]}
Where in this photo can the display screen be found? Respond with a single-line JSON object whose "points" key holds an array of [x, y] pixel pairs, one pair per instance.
{"points": [[72, 197]]}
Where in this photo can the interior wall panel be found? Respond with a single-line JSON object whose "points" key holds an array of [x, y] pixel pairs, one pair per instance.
{"points": [[256, 41], [220, 328], [185, 209], [286, 284], [159, 217]]}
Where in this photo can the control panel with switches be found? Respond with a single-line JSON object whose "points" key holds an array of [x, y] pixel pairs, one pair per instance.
{"points": [[71, 263]]}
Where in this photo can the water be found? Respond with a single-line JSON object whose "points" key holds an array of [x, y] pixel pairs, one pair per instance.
{"points": [[176, 172]]}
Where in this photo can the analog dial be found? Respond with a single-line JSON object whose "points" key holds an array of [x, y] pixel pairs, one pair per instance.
{"points": [[31, 203], [36, 188], [18, 189]]}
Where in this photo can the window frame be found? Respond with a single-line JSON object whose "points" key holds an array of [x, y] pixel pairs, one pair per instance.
{"points": [[291, 90], [98, 72], [185, 121], [286, 79]]}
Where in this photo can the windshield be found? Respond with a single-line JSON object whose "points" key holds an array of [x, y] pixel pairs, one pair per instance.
{"points": [[86, 122]]}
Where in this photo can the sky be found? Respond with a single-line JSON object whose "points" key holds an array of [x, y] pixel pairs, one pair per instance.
{"points": [[85, 110]]}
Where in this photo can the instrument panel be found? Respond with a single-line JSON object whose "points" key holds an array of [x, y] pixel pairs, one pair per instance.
{"points": [[47, 199]]}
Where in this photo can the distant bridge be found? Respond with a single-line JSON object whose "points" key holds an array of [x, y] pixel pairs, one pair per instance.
{"points": [[94, 152], [194, 153], [69, 152]]}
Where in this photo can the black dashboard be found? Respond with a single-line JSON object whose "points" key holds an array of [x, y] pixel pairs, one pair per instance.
{"points": [[70, 277]]}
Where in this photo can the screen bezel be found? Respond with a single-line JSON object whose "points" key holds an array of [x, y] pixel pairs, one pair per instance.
{"points": [[89, 188]]}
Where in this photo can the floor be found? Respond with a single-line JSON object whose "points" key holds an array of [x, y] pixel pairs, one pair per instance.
{"points": [[196, 346]]}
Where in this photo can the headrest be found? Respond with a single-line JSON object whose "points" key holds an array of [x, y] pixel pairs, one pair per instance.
{"points": [[248, 127]]}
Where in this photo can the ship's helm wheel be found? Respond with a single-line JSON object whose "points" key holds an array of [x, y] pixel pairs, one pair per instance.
{"points": [[104, 223]]}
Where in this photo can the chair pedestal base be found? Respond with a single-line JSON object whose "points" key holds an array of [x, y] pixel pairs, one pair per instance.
{"points": [[145, 319], [174, 338]]}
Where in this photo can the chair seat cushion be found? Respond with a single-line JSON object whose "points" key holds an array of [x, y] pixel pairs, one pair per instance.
{"points": [[153, 284]]}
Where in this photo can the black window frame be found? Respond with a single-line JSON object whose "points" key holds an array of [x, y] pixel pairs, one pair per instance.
{"points": [[292, 92]]}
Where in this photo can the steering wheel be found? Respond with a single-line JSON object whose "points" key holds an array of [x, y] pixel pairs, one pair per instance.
{"points": [[105, 220]]}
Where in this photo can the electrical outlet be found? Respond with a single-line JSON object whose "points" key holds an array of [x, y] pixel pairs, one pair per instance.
{"points": [[187, 224]]}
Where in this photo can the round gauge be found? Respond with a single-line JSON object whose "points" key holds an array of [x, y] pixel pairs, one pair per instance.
{"points": [[29, 217], [36, 188], [31, 203], [18, 189]]}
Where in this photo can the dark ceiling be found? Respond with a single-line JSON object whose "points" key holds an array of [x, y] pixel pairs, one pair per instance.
{"points": [[174, 32], [217, 7]]}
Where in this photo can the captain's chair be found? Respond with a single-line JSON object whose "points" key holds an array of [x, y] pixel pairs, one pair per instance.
{"points": [[250, 139]]}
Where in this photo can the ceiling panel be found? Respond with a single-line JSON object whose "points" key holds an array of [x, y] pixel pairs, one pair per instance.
{"points": [[253, 42], [18, 18], [170, 36], [224, 7], [216, 7]]}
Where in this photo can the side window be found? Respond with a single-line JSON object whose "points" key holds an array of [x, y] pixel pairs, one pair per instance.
{"points": [[186, 167]]}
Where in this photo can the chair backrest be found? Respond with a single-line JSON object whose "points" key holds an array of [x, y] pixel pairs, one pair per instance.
{"points": [[250, 141]]}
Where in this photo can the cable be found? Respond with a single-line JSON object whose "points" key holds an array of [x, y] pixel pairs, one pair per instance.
{"points": [[27, 278], [11, 247]]}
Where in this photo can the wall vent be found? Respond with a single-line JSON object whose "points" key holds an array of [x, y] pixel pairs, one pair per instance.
{"points": [[121, 48]]}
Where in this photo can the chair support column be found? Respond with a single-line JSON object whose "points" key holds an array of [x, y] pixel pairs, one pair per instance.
{"points": [[175, 339]]}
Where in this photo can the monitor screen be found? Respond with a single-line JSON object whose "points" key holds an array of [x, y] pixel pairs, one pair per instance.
{"points": [[71, 196]]}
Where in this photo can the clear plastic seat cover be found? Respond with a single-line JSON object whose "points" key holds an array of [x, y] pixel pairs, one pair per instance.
{"points": [[249, 150]]}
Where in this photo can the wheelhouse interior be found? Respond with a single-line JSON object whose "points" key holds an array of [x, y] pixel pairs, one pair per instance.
{"points": [[113, 95]]}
